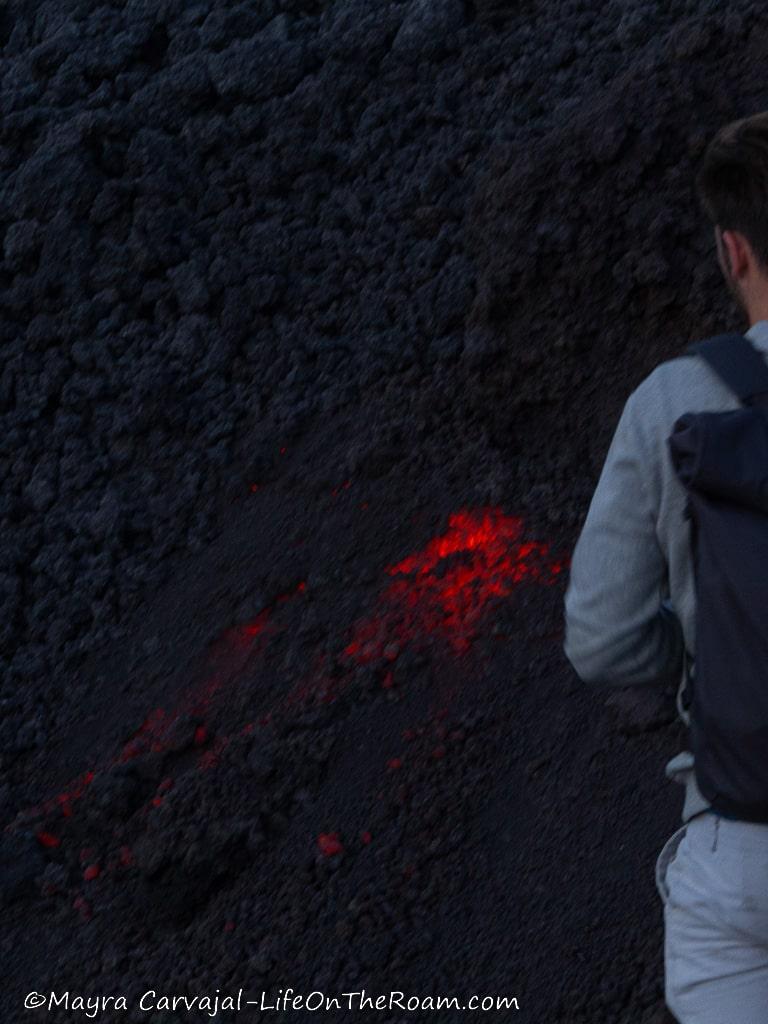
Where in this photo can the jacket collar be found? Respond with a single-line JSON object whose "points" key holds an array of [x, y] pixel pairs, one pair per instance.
{"points": [[758, 334]]}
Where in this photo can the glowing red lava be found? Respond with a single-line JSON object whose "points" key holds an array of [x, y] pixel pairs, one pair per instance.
{"points": [[161, 730], [329, 843], [441, 592], [444, 589], [48, 839], [228, 658]]}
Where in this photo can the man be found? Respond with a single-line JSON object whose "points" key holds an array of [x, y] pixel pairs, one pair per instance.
{"points": [[630, 603]]}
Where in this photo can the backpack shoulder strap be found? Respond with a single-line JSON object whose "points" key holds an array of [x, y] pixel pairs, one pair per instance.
{"points": [[738, 363]]}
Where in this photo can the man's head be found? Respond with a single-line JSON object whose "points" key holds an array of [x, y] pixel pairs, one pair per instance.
{"points": [[732, 185]]}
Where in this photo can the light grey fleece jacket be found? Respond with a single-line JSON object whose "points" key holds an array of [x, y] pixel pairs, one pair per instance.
{"points": [[630, 601]]}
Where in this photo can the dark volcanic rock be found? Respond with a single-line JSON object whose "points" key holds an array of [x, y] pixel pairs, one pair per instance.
{"points": [[21, 861]]}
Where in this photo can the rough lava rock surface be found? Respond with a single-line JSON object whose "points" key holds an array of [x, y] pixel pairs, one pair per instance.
{"points": [[285, 287]]}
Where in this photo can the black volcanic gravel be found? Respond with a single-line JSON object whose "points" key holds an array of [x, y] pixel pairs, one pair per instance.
{"points": [[284, 286]]}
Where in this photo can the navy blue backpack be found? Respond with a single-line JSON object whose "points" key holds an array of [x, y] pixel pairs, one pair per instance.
{"points": [[721, 458]]}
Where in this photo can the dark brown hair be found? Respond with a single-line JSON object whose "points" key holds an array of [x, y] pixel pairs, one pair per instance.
{"points": [[732, 181]]}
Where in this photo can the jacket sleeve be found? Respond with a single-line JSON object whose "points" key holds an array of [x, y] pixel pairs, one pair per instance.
{"points": [[619, 625]]}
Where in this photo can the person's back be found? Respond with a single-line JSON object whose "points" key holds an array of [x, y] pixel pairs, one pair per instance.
{"points": [[630, 613]]}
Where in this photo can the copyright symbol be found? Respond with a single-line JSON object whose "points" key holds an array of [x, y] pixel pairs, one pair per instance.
{"points": [[33, 1000]]}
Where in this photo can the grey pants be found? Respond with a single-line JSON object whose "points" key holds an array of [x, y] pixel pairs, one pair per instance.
{"points": [[712, 876]]}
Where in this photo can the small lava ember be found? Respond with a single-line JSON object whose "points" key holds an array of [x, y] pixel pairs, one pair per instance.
{"points": [[329, 843], [48, 839]]}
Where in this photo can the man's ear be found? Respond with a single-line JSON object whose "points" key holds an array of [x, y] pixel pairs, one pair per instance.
{"points": [[738, 252]]}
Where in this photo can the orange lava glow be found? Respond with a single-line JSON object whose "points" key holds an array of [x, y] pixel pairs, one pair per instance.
{"points": [[441, 592], [161, 730], [445, 588]]}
